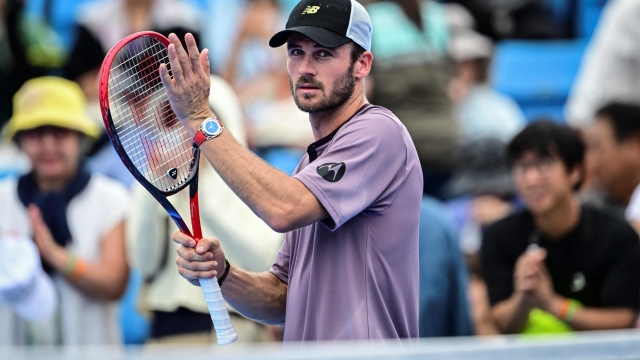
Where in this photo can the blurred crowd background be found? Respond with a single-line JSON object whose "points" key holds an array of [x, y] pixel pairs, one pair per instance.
{"points": [[464, 76]]}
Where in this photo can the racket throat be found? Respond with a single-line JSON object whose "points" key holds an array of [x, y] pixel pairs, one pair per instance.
{"points": [[195, 209]]}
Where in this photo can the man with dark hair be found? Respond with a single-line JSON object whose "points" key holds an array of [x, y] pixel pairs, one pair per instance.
{"points": [[614, 145], [348, 268], [558, 266]]}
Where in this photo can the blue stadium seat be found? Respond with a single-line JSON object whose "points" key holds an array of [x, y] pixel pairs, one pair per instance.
{"points": [[537, 74], [588, 14], [283, 159], [135, 328]]}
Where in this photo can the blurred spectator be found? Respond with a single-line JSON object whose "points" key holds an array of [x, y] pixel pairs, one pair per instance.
{"points": [[258, 21], [101, 24], [614, 145], [410, 77], [278, 130], [24, 286], [516, 19], [558, 266], [75, 218], [482, 190], [610, 70], [444, 307], [275, 120], [479, 109], [179, 313], [482, 193], [28, 48]]}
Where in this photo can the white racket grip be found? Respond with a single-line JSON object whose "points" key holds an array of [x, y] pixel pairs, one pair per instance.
{"points": [[225, 332]]}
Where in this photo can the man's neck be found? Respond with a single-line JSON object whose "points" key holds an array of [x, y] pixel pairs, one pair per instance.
{"points": [[326, 122], [559, 221]]}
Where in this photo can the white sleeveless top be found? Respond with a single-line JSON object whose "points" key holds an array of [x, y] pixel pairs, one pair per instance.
{"points": [[80, 319]]}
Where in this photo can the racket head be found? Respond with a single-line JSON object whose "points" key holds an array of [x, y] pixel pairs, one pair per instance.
{"points": [[154, 146]]}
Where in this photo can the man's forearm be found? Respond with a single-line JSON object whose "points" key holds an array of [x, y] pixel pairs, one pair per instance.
{"points": [[603, 319], [258, 296], [590, 318], [511, 315], [274, 196]]}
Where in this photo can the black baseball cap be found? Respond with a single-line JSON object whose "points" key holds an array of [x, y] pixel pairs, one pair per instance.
{"points": [[329, 23]]}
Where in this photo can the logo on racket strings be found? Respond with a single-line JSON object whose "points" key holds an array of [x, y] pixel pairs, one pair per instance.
{"points": [[173, 173], [332, 172]]}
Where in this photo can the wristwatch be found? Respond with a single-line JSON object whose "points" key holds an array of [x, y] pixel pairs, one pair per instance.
{"points": [[209, 129]]}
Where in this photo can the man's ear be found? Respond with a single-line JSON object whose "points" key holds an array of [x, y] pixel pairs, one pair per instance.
{"points": [[577, 174], [362, 66], [634, 141], [632, 148]]}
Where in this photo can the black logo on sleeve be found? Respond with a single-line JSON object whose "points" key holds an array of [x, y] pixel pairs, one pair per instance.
{"points": [[173, 173], [332, 172]]}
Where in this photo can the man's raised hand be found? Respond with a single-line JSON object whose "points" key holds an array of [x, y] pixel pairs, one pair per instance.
{"points": [[188, 91]]}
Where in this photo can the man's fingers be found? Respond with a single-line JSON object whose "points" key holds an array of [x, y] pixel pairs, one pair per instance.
{"points": [[195, 275], [35, 215], [182, 55], [196, 265], [176, 68], [204, 62], [209, 244], [190, 255], [544, 272], [194, 54], [166, 78], [183, 239]]}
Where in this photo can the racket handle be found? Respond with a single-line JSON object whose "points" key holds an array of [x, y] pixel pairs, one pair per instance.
{"points": [[225, 332]]}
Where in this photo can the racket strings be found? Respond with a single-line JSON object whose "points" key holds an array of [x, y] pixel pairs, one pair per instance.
{"points": [[151, 135], [133, 75]]}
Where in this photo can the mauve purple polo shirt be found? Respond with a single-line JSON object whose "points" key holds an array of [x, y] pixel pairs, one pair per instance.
{"points": [[355, 275]]}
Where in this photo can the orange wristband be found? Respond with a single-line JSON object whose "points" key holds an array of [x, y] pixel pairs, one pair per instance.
{"points": [[78, 270], [74, 268], [564, 308]]}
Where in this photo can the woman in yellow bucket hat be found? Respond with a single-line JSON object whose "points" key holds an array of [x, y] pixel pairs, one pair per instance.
{"points": [[76, 218]]}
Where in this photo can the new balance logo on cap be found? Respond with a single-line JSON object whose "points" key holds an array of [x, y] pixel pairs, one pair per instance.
{"points": [[311, 10]]}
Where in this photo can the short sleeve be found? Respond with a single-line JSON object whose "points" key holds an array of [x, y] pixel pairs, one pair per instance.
{"points": [[620, 283], [283, 260], [361, 169], [497, 268]]}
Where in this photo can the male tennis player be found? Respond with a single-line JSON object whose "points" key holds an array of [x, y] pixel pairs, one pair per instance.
{"points": [[348, 268]]}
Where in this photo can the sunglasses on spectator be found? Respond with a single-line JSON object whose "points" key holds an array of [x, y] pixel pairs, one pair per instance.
{"points": [[542, 165], [39, 133]]}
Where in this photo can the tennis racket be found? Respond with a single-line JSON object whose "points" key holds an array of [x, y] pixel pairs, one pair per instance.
{"points": [[153, 144]]}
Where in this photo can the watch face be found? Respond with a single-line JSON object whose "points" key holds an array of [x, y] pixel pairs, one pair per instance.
{"points": [[211, 128]]}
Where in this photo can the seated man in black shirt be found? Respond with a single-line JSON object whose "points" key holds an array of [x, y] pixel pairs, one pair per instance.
{"points": [[558, 266]]}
